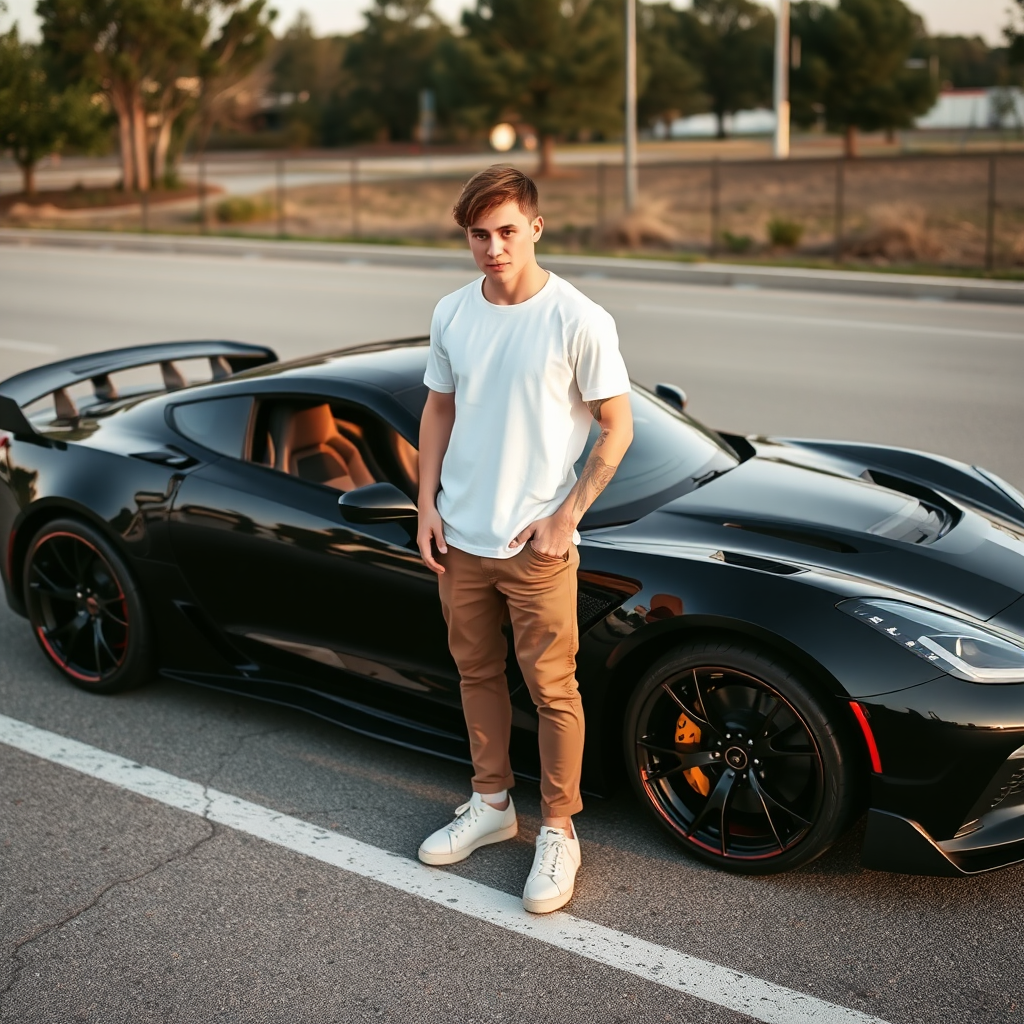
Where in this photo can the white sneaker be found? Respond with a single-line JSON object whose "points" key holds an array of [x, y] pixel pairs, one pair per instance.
{"points": [[553, 875], [477, 824]]}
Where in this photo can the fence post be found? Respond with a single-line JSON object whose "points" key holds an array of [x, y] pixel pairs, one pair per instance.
{"points": [[840, 199], [202, 192], [715, 210], [990, 225], [600, 193], [354, 180], [280, 197]]}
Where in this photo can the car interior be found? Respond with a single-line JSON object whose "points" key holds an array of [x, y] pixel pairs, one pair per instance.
{"points": [[336, 445]]}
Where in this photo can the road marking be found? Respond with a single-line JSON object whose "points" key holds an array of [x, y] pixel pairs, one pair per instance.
{"points": [[29, 346], [711, 982], [820, 321]]}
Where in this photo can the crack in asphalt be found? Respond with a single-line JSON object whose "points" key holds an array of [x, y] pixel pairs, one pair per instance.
{"points": [[20, 961]]}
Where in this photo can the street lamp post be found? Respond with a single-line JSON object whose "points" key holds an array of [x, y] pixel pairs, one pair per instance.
{"points": [[782, 81], [630, 148]]}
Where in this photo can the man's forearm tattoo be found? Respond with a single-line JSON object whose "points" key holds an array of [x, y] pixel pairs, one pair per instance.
{"points": [[596, 476]]}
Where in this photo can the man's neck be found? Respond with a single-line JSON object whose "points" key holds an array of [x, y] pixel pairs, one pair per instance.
{"points": [[523, 286]]}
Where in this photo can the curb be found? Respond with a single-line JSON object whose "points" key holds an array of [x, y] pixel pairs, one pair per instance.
{"points": [[906, 286]]}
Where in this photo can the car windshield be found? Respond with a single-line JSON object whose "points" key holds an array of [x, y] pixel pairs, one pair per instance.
{"points": [[671, 453]]}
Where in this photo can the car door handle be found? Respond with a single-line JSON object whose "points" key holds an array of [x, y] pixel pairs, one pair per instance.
{"points": [[167, 457]]}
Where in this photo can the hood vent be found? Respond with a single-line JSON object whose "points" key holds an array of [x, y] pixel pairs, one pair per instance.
{"points": [[913, 524], [814, 540], [923, 521]]}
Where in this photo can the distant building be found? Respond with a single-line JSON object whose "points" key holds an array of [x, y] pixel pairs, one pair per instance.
{"points": [[998, 107], [705, 126], [976, 108]]}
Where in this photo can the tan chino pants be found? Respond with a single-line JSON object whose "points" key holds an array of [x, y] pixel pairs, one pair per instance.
{"points": [[540, 594]]}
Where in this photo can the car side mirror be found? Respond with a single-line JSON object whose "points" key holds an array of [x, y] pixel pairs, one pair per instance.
{"points": [[671, 394], [376, 503]]}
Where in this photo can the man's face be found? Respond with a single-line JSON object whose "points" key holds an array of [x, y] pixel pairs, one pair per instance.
{"points": [[502, 241]]}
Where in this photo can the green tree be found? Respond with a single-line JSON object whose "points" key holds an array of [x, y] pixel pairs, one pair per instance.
{"points": [[1013, 33], [853, 67], [669, 85], [963, 62], [37, 116], [227, 59], [309, 69], [387, 64], [153, 58], [731, 43], [554, 64]]}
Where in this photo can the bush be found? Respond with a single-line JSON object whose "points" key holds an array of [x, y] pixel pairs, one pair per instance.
{"points": [[737, 243], [237, 210], [785, 234]]}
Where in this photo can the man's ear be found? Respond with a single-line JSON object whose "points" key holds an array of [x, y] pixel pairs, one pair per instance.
{"points": [[537, 227]]}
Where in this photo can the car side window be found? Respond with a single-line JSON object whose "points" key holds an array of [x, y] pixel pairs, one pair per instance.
{"points": [[339, 445], [220, 424]]}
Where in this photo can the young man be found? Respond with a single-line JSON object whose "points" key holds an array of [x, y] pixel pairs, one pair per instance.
{"points": [[520, 363]]}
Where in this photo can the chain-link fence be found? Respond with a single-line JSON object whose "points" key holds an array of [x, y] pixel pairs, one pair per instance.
{"points": [[956, 211]]}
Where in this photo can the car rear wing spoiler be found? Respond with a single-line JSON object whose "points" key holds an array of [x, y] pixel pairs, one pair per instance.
{"points": [[226, 358]]}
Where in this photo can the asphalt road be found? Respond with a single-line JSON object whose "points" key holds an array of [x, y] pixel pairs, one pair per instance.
{"points": [[116, 908]]}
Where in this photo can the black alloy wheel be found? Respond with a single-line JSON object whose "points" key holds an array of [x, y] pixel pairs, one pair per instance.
{"points": [[84, 608], [735, 757]]}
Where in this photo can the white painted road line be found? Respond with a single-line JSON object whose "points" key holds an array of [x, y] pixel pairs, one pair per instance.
{"points": [[29, 346], [821, 321], [723, 986]]}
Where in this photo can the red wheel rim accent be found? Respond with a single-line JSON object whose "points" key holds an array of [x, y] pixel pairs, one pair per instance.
{"points": [[77, 606]]}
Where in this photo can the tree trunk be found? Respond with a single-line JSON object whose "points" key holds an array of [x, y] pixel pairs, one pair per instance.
{"points": [[139, 139], [161, 145], [720, 118], [547, 156], [124, 134], [850, 142], [890, 136], [28, 178]]}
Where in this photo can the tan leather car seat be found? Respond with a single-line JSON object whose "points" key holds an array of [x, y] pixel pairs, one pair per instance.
{"points": [[307, 444]]}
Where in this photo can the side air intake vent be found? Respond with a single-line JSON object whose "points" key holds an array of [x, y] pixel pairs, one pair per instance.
{"points": [[599, 593], [753, 562], [814, 540]]}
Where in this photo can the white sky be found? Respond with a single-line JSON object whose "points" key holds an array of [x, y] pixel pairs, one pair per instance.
{"points": [[948, 17]]}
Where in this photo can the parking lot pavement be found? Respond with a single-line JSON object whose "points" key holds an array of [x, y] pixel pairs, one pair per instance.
{"points": [[115, 907]]}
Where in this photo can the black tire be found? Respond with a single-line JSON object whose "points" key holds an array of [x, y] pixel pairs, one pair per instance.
{"points": [[85, 609], [736, 758]]}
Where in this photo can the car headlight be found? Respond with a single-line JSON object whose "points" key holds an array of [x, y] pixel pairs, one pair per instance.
{"points": [[956, 646]]}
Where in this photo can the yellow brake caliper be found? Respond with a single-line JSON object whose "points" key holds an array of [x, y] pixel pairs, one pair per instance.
{"points": [[688, 738]]}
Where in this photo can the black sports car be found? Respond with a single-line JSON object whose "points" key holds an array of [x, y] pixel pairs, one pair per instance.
{"points": [[775, 633]]}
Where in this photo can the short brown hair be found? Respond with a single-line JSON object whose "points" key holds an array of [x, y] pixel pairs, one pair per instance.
{"points": [[495, 186]]}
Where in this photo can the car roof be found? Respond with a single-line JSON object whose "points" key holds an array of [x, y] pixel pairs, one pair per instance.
{"points": [[393, 366]]}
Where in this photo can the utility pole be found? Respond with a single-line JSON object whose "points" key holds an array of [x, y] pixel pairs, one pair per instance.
{"points": [[630, 148], [782, 81]]}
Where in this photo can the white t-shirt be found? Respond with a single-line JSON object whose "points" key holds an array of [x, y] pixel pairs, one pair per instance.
{"points": [[521, 376]]}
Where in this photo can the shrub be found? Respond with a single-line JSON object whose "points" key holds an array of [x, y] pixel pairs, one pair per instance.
{"points": [[786, 234], [737, 243], [237, 210]]}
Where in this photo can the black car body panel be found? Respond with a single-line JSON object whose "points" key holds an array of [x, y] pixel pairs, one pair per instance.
{"points": [[258, 583]]}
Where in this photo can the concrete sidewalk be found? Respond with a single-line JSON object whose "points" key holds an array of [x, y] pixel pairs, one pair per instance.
{"points": [[904, 286]]}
